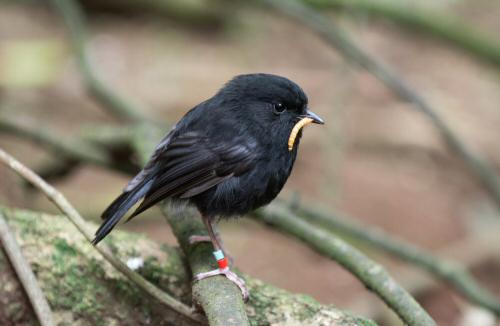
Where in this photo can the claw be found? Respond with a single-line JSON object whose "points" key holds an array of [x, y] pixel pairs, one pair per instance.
{"points": [[230, 275]]}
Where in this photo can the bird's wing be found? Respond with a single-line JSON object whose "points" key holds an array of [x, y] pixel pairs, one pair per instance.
{"points": [[150, 165], [191, 164]]}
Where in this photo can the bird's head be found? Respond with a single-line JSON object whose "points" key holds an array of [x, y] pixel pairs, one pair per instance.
{"points": [[272, 102]]}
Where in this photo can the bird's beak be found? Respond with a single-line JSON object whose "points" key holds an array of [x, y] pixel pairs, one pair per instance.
{"points": [[309, 117], [315, 118]]}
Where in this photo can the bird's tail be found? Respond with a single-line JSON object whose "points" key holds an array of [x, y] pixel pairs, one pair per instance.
{"points": [[119, 208]]}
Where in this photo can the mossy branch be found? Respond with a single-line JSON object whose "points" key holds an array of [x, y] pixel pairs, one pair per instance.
{"points": [[338, 39], [82, 288]]}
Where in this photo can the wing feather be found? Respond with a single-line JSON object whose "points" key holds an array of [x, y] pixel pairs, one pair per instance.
{"points": [[190, 165]]}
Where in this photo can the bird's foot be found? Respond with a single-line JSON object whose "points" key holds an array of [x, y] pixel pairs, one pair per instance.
{"points": [[230, 275]]}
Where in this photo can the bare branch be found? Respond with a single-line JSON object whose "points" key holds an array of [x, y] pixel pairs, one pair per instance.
{"points": [[371, 274], [449, 271], [25, 274]]}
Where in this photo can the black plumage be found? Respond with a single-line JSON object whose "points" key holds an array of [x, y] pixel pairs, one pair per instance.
{"points": [[228, 155]]}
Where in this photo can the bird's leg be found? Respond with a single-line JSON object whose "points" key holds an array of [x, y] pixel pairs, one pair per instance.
{"points": [[223, 248], [194, 239], [221, 261]]}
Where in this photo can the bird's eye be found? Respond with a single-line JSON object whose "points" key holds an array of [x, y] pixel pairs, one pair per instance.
{"points": [[279, 108]]}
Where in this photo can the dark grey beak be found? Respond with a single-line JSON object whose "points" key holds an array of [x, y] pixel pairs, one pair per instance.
{"points": [[314, 116]]}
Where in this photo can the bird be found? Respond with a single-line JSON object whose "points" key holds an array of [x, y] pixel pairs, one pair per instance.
{"points": [[229, 155]]}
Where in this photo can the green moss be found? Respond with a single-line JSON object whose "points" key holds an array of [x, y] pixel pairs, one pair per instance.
{"points": [[265, 299], [70, 291], [25, 222], [272, 306], [170, 276], [127, 291], [62, 246]]}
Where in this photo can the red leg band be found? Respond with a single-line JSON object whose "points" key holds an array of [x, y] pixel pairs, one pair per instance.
{"points": [[222, 263]]}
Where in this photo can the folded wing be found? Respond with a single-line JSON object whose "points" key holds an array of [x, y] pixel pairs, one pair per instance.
{"points": [[192, 164]]}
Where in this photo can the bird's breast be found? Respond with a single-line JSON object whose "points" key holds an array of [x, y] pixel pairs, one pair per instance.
{"points": [[251, 190]]}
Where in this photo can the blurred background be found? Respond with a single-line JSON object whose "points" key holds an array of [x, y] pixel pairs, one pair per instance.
{"points": [[376, 159]]}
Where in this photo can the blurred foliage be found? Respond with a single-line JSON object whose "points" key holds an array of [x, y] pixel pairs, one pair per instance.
{"points": [[30, 63]]}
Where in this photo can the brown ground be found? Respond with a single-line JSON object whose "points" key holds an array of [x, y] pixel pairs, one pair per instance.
{"points": [[375, 159]]}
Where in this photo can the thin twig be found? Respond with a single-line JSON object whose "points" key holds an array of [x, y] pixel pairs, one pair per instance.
{"points": [[67, 209], [371, 274], [334, 36], [449, 271], [25, 274], [114, 103]]}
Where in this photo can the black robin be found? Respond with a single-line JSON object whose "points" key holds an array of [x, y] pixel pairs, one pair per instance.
{"points": [[227, 156]]}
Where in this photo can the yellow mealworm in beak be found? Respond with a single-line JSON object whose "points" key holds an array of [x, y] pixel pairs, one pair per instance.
{"points": [[295, 131]]}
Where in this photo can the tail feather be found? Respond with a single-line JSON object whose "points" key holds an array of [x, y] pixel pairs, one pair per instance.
{"points": [[118, 208]]}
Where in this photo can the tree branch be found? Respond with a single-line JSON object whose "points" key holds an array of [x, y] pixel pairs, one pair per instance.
{"points": [[449, 271], [372, 275], [66, 208], [334, 36], [25, 274]]}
